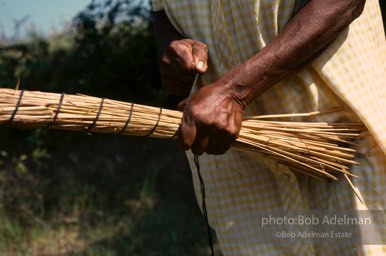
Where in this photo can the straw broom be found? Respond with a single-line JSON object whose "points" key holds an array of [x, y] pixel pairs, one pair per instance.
{"points": [[321, 150]]}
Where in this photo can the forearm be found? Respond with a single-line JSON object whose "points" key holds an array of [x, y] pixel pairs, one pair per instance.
{"points": [[306, 35]]}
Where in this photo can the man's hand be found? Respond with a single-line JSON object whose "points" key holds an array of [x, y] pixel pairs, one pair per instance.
{"points": [[213, 117], [181, 61], [211, 121]]}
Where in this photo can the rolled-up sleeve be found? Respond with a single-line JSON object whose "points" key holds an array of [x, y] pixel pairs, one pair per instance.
{"points": [[157, 5]]}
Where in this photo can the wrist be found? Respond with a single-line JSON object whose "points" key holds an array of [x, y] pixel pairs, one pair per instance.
{"points": [[237, 88], [247, 81]]}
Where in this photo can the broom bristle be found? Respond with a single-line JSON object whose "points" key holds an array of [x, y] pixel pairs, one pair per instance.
{"points": [[321, 150]]}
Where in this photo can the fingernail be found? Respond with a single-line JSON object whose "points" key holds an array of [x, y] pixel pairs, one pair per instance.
{"points": [[201, 65]]}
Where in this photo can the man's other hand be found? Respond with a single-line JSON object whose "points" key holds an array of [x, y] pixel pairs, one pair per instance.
{"points": [[181, 61]]}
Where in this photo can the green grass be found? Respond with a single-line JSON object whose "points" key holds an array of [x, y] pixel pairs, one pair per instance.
{"points": [[65, 193]]}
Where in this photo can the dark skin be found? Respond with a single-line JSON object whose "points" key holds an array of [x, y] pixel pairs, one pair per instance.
{"points": [[212, 119]]}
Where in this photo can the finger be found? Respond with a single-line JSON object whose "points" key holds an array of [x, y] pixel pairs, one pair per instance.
{"points": [[187, 134], [181, 55], [223, 147], [200, 144], [179, 66], [200, 56]]}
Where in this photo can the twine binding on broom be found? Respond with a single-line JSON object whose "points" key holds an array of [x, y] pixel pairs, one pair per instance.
{"points": [[16, 107], [57, 111], [156, 124], [320, 150], [97, 116], [128, 119]]}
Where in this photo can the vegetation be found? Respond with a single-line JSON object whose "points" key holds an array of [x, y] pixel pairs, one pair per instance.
{"points": [[66, 193]]}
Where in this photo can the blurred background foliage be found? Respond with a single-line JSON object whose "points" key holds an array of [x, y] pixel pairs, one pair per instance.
{"points": [[65, 193], [109, 50]]}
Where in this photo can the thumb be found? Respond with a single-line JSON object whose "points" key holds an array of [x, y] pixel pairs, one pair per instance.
{"points": [[200, 56]]}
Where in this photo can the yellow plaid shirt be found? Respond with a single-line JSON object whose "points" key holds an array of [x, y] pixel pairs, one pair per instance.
{"points": [[351, 74]]}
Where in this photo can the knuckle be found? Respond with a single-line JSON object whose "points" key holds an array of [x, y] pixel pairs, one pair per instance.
{"points": [[202, 45], [195, 112], [220, 127], [174, 44], [229, 131], [205, 48], [233, 133], [175, 50]]}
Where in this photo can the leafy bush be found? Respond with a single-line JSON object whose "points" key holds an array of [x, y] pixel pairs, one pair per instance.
{"points": [[73, 194], [109, 52]]}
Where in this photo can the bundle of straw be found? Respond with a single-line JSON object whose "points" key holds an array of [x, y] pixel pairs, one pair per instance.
{"points": [[321, 150]]}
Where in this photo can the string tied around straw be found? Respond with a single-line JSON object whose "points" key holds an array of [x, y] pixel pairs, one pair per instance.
{"points": [[156, 125], [18, 103], [128, 119], [97, 116], [57, 111]]}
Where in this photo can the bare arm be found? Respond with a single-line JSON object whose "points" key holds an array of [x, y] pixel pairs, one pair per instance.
{"points": [[213, 118], [307, 34]]}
